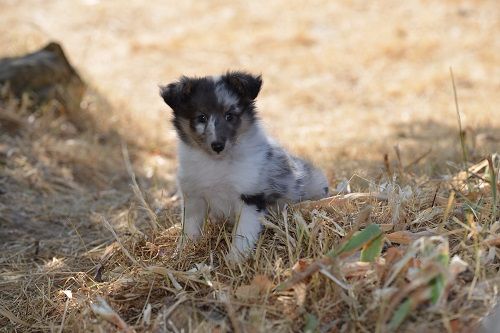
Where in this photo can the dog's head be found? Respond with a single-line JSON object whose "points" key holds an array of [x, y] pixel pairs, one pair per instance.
{"points": [[210, 113]]}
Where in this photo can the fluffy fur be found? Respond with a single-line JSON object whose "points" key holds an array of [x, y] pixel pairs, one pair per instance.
{"points": [[229, 168]]}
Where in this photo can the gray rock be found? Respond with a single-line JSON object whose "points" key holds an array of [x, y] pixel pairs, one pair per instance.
{"points": [[46, 75]]}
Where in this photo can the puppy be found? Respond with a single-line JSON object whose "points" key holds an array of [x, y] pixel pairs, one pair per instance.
{"points": [[229, 168]]}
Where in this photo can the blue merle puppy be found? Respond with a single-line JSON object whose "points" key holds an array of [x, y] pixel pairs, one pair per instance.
{"points": [[229, 167]]}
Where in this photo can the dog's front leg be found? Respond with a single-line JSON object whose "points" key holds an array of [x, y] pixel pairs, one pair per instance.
{"points": [[247, 229], [194, 212]]}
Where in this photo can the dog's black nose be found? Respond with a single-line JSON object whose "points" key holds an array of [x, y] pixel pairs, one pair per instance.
{"points": [[218, 146]]}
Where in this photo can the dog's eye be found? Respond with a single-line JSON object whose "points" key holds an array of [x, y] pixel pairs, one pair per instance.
{"points": [[228, 116], [202, 118]]}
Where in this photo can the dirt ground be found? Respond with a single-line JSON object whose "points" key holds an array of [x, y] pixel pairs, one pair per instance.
{"points": [[345, 82]]}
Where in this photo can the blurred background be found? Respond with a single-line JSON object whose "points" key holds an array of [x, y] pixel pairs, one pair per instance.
{"points": [[344, 81]]}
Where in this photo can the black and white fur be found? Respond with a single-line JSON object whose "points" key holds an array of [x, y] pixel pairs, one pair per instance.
{"points": [[229, 168]]}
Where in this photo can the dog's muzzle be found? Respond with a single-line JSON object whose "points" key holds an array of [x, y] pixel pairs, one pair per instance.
{"points": [[217, 146]]}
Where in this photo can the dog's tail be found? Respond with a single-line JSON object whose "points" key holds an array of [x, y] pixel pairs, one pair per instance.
{"points": [[317, 187]]}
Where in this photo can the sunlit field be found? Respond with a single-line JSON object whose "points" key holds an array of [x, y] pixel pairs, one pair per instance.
{"points": [[90, 217]]}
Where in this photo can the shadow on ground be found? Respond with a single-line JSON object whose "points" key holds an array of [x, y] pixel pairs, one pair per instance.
{"points": [[57, 180]]}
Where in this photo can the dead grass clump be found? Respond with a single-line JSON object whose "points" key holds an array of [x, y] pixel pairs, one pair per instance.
{"points": [[435, 266]]}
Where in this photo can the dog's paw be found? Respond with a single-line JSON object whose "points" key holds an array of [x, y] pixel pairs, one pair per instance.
{"points": [[191, 233], [235, 256]]}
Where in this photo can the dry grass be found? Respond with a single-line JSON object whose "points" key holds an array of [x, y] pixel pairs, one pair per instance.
{"points": [[84, 250], [80, 258]]}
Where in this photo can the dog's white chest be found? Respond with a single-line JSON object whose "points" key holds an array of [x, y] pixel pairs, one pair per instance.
{"points": [[219, 182]]}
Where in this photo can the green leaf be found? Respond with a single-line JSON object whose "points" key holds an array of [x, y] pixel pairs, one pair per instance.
{"points": [[438, 283], [399, 316], [358, 240], [372, 250], [437, 288], [443, 259], [311, 324]]}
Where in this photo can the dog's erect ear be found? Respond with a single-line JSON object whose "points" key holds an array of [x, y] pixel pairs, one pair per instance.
{"points": [[174, 94], [244, 84]]}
